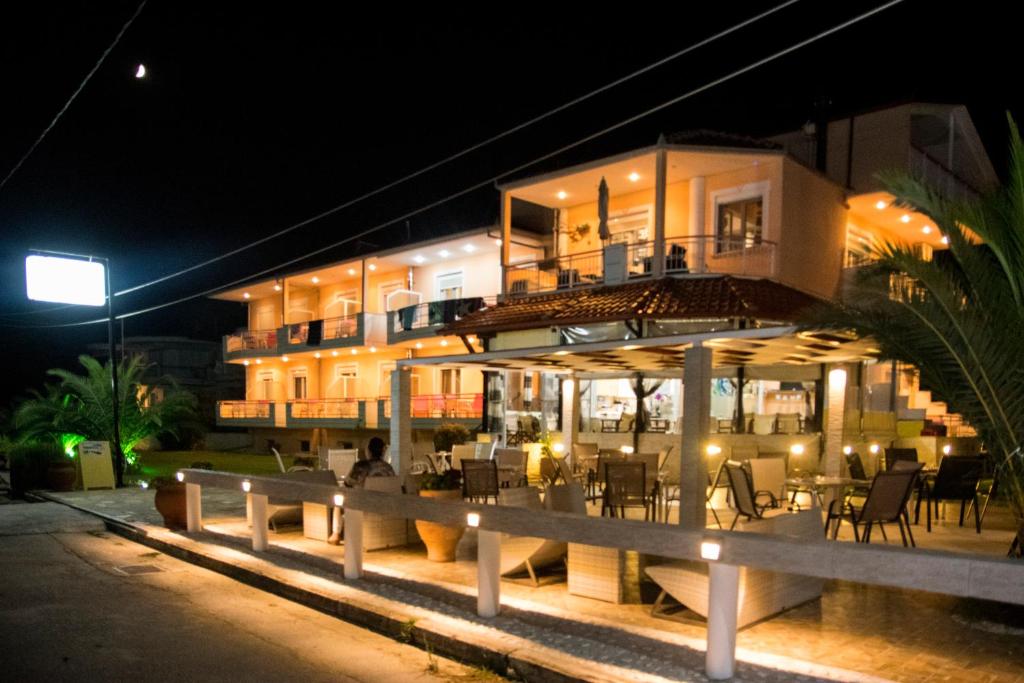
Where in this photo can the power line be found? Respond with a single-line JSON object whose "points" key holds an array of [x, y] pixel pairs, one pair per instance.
{"points": [[81, 86], [691, 93], [464, 152]]}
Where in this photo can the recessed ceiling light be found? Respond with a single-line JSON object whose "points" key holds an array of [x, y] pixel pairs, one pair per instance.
{"points": [[944, 240], [334, 353], [316, 355], [498, 241], [562, 194], [444, 342], [468, 248], [630, 347], [351, 271], [880, 204], [561, 353], [354, 352], [927, 229], [284, 359], [471, 339], [259, 362], [245, 362], [277, 288], [315, 279], [372, 266], [418, 259], [373, 349], [245, 295], [419, 345], [905, 218], [444, 253], [634, 176]]}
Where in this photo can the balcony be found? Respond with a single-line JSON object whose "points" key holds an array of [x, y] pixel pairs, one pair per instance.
{"points": [[430, 411], [358, 329], [250, 344], [246, 413], [340, 413], [684, 256], [935, 174], [424, 319]]}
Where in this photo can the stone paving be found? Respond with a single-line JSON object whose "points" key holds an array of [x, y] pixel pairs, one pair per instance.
{"points": [[885, 633]]}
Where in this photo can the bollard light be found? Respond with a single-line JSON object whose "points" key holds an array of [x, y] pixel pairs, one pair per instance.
{"points": [[339, 500], [144, 485], [947, 449], [710, 550], [628, 450], [180, 476], [473, 519], [247, 486]]}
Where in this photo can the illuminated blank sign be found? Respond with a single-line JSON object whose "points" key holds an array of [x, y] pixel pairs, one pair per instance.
{"points": [[65, 280]]}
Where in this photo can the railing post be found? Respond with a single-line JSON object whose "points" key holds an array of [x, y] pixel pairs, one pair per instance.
{"points": [[193, 508], [723, 603], [258, 505], [488, 570], [353, 544]]}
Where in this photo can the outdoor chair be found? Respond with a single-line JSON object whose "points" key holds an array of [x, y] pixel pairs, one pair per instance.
{"points": [[718, 481], [894, 455], [764, 424], [742, 493], [340, 461], [511, 466], [625, 486], [768, 477], [384, 531], [788, 423], [462, 452], [527, 553], [956, 480], [855, 466], [480, 480], [886, 502]]}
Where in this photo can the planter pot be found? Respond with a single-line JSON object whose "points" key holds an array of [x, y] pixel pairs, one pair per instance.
{"points": [[61, 476], [440, 540], [1017, 547], [170, 503]]}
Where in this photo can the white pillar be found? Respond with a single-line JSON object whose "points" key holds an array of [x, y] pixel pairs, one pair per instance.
{"points": [[258, 503], [353, 544], [696, 258], [660, 181], [193, 508], [570, 398], [723, 604], [693, 479], [488, 571], [401, 419]]}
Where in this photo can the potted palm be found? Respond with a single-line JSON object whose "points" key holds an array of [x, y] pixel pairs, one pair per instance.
{"points": [[440, 539]]}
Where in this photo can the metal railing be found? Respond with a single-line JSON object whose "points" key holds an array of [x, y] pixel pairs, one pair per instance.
{"points": [[435, 313], [934, 173], [461, 406], [245, 410], [702, 254], [560, 272], [341, 327], [252, 340], [328, 408]]}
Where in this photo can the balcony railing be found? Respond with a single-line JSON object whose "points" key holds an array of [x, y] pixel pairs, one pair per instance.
{"points": [[324, 408], [251, 340], [410, 321], [934, 173], [342, 327], [560, 272], [250, 413], [442, 406]]}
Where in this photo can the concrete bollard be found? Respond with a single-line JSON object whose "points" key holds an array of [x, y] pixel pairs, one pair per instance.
{"points": [[488, 567], [723, 603], [193, 508], [353, 544], [258, 504]]}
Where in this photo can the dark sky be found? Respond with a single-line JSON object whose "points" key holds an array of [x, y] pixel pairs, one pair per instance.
{"points": [[255, 116]]}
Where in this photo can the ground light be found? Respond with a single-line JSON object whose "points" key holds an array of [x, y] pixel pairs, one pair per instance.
{"points": [[710, 550], [473, 519]]}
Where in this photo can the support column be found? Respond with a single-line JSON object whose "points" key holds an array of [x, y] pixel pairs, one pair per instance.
{"points": [[723, 602], [832, 421], [570, 414], [488, 573], [660, 181], [258, 504], [696, 256], [193, 508], [401, 419], [506, 239], [353, 544], [693, 480]]}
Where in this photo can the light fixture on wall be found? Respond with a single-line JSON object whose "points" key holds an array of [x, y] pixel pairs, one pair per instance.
{"points": [[712, 449]]}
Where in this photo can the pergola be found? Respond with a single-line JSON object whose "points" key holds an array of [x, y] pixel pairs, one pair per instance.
{"points": [[694, 356]]}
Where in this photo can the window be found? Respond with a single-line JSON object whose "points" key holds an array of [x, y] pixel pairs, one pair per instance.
{"points": [[385, 381], [299, 384], [265, 384], [740, 224], [451, 381], [629, 226], [346, 378], [449, 286]]}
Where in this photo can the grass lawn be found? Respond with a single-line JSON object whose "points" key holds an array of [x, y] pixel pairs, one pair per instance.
{"points": [[165, 463]]}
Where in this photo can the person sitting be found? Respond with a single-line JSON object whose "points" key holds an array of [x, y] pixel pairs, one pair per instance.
{"points": [[374, 466]]}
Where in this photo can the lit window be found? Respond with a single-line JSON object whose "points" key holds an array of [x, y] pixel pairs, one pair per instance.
{"points": [[739, 224]]}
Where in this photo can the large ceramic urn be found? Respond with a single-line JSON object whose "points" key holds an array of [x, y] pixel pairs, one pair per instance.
{"points": [[441, 540]]}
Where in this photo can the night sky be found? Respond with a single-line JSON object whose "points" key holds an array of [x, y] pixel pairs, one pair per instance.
{"points": [[253, 117]]}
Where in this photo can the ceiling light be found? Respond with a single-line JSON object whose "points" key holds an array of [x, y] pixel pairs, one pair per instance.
{"points": [[245, 362], [419, 345], [373, 349], [927, 229], [944, 240], [905, 218], [562, 194], [351, 271], [471, 339], [334, 353], [630, 347], [277, 288], [498, 241], [284, 359], [444, 342], [316, 355], [372, 266], [880, 205], [444, 253], [418, 259], [634, 176], [259, 362], [354, 352], [315, 279], [561, 353], [245, 295], [468, 248]]}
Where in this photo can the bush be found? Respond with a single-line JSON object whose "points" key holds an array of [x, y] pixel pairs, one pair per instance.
{"points": [[448, 480], [450, 434], [29, 463]]}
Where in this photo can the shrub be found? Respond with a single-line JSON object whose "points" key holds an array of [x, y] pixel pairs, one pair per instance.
{"points": [[450, 434], [448, 480], [29, 462]]}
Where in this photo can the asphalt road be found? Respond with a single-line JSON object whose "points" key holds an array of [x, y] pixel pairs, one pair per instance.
{"points": [[77, 603]]}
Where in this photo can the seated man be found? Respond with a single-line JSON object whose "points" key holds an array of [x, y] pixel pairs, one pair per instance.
{"points": [[372, 467]]}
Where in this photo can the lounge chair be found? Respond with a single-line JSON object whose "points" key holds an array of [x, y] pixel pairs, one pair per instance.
{"points": [[526, 553]]}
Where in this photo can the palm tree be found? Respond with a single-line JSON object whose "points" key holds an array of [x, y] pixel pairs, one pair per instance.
{"points": [[82, 405], [958, 317]]}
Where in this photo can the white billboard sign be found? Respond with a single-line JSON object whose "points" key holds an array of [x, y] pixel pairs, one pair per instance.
{"points": [[65, 280]]}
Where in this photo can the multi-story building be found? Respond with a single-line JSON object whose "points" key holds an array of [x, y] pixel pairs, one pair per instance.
{"points": [[699, 257]]}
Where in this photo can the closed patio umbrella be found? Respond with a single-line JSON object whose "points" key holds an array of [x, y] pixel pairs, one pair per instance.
{"points": [[602, 212]]}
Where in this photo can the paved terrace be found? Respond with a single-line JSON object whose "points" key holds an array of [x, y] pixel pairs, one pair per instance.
{"points": [[855, 632]]}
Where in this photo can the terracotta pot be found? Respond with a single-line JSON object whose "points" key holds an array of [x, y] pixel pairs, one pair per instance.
{"points": [[170, 503], [61, 476], [440, 540]]}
